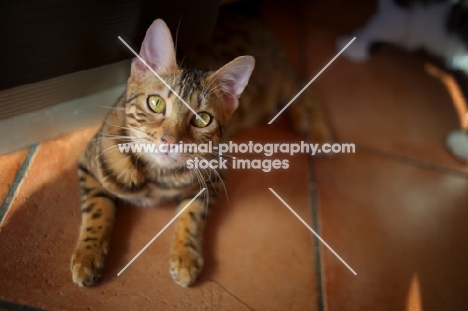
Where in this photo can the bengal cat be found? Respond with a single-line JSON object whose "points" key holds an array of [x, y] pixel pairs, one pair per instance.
{"points": [[148, 112]]}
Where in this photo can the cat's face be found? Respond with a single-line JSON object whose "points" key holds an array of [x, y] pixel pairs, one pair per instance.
{"points": [[157, 116], [154, 113]]}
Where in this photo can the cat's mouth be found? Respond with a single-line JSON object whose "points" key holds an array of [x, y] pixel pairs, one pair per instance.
{"points": [[167, 160]]}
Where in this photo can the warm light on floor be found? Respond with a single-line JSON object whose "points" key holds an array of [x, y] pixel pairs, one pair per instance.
{"points": [[414, 296], [459, 101]]}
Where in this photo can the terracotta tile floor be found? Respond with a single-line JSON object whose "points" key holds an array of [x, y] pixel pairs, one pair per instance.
{"points": [[395, 210]]}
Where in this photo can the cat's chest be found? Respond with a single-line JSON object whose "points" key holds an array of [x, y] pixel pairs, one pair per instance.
{"points": [[161, 189]]}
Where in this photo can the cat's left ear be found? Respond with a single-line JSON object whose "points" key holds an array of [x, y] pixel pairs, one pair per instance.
{"points": [[157, 50], [232, 78]]}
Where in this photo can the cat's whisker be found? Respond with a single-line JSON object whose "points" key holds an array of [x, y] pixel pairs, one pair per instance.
{"points": [[222, 184], [125, 127], [111, 107], [117, 139], [206, 200], [205, 88], [126, 140], [218, 88], [111, 147], [105, 150], [199, 177], [210, 89], [116, 126], [99, 139], [133, 129], [112, 137], [134, 139], [182, 62], [131, 172], [220, 84], [137, 159], [177, 37], [210, 170], [222, 155]]}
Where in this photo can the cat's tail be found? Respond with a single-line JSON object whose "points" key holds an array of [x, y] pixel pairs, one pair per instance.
{"points": [[308, 118]]}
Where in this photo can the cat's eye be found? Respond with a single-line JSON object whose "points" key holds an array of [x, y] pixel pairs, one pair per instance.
{"points": [[196, 121], [156, 104]]}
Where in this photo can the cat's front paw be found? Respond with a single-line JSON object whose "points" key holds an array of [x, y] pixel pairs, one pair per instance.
{"points": [[185, 266], [87, 264]]}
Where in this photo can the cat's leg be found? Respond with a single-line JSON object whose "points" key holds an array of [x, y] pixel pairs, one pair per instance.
{"points": [[186, 261], [97, 219]]}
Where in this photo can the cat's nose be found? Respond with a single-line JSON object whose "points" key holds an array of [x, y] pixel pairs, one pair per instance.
{"points": [[168, 139]]}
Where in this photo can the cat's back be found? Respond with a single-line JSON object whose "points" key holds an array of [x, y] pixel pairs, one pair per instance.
{"points": [[239, 32]]}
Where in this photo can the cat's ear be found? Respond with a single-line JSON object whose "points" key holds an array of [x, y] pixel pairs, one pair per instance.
{"points": [[157, 50], [232, 78]]}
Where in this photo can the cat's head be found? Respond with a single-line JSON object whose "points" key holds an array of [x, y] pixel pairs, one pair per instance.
{"points": [[157, 116]]}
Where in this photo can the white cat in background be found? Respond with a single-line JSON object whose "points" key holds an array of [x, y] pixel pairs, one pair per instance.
{"points": [[420, 26]]}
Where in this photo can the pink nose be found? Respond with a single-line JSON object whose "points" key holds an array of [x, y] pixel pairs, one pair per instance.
{"points": [[168, 139]]}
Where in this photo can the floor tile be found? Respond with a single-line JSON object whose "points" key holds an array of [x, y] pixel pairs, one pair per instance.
{"points": [[401, 228], [264, 253], [223, 300], [255, 247], [9, 167], [40, 231], [390, 103]]}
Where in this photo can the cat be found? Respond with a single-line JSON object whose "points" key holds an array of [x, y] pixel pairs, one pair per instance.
{"points": [[438, 26], [148, 112]]}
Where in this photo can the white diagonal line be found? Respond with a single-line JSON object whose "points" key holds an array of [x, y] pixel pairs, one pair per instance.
{"points": [[308, 227], [316, 76], [159, 233], [159, 77]]}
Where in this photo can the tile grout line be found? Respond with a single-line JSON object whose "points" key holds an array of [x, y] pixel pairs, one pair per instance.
{"points": [[408, 160], [314, 208], [232, 295], [403, 159], [17, 181], [19, 307]]}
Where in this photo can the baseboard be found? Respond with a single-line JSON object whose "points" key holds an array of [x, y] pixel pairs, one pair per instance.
{"points": [[68, 103]]}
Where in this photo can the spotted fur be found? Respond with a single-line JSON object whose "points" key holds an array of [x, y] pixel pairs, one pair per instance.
{"points": [[107, 176], [273, 83]]}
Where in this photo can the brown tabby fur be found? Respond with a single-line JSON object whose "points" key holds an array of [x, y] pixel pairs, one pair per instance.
{"points": [[273, 82], [107, 176]]}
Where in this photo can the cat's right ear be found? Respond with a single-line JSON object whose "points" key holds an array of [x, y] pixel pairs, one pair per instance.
{"points": [[232, 79], [157, 50]]}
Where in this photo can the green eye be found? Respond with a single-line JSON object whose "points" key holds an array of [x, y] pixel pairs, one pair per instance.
{"points": [[199, 123], [156, 104]]}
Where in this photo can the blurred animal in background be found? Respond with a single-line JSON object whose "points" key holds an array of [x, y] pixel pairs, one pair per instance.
{"points": [[440, 27]]}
